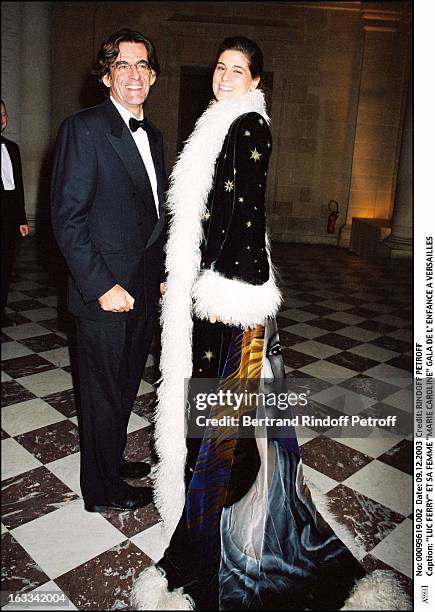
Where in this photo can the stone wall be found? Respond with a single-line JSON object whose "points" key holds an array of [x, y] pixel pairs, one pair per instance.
{"points": [[26, 89], [340, 76]]}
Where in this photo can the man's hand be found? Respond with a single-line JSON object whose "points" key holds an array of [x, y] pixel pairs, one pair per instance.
{"points": [[24, 230], [162, 292], [116, 299]]}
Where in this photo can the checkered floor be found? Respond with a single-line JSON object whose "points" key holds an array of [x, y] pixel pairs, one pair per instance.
{"points": [[346, 331]]}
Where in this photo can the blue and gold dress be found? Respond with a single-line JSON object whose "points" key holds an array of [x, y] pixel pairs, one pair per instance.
{"points": [[249, 536]]}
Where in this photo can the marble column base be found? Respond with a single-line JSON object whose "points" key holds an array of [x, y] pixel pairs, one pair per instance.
{"points": [[344, 233], [398, 246]]}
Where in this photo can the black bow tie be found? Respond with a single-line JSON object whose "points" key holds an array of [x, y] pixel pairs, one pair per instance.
{"points": [[135, 124]]}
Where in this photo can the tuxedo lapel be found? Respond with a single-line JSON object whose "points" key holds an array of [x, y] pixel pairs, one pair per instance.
{"points": [[126, 149], [156, 154], [13, 150], [122, 141], [13, 154]]}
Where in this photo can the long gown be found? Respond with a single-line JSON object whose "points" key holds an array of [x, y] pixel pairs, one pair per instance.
{"points": [[250, 536]]}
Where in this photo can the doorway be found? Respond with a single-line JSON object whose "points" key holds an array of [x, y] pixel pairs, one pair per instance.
{"points": [[196, 93]]}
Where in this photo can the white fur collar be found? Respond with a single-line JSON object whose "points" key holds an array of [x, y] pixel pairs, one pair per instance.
{"points": [[190, 185], [204, 145]]}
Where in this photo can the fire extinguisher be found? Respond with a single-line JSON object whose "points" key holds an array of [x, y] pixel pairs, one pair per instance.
{"points": [[333, 216]]}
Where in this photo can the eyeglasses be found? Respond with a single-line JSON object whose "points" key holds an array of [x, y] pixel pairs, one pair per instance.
{"points": [[141, 66]]}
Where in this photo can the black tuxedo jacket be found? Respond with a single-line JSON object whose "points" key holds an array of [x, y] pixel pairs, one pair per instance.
{"points": [[103, 212], [13, 211]]}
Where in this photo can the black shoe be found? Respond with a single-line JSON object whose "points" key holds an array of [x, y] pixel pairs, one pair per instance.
{"points": [[7, 322], [141, 496], [134, 469]]}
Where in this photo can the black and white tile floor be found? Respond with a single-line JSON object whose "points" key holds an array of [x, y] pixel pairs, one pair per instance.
{"points": [[344, 318]]}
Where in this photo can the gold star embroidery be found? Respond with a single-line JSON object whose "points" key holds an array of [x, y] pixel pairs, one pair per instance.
{"points": [[208, 355], [247, 133], [255, 155], [260, 121], [229, 185], [241, 200], [248, 224], [206, 216]]}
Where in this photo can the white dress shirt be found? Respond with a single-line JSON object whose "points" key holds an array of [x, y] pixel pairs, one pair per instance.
{"points": [[141, 139], [7, 171]]}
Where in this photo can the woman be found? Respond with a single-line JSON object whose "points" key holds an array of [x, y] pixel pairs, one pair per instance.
{"points": [[245, 532]]}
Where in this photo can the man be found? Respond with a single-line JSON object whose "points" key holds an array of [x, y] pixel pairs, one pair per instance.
{"points": [[107, 209], [13, 216]]}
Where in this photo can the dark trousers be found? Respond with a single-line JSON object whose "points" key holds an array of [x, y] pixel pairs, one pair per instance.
{"points": [[8, 241], [9, 235], [112, 358]]}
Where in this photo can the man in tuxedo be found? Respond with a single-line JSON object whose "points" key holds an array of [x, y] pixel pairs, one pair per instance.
{"points": [[13, 216], [107, 210]]}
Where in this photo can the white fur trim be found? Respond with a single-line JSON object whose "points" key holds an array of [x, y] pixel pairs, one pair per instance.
{"points": [[150, 592], [379, 590], [236, 302], [322, 504], [190, 183]]}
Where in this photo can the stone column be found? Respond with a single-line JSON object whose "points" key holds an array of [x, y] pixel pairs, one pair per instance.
{"points": [[384, 71], [11, 66], [400, 239], [35, 114]]}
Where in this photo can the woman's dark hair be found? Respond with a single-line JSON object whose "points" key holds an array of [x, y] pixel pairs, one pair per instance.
{"points": [[250, 50], [110, 48]]}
